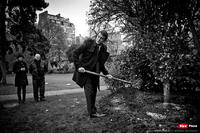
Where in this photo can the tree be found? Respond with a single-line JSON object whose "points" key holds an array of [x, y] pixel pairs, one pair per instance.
{"points": [[30, 38], [54, 33], [170, 24], [163, 30], [183, 13], [70, 51], [17, 14], [57, 38], [3, 41]]}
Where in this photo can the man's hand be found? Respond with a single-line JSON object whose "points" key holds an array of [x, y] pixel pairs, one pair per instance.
{"points": [[109, 76], [81, 70]]}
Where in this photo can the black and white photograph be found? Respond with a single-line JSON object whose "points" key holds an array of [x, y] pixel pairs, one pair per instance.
{"points": [[99, 66]]}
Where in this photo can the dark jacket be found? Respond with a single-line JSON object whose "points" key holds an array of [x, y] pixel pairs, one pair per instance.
{"points": [[38, 69], [20, 77], [86, 56]]}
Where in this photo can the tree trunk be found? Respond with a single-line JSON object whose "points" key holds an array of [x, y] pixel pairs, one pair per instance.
{"points": [[3, 70], [3, 40], [166, 90]]}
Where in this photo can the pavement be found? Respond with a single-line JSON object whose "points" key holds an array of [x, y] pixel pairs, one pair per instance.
{"points": [[47, 93]]}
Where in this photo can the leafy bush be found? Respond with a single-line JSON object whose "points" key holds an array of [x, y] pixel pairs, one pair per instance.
{"points": [[187, 75], [131, 65], [69, 52], [65, 68], [114, 70]]}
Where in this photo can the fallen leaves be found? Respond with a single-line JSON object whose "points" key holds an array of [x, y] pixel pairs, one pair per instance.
{"points": [[156, 115]]}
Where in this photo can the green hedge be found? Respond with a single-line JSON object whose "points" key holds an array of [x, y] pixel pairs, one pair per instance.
{"points": [[133, 65]]}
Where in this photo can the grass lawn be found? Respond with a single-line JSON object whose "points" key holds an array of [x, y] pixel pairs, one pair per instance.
{"points": [[64, 113], [128, 111], [53, 82]]}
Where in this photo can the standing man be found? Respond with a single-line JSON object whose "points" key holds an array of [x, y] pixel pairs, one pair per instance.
{"points": [[20, 69], [91, 55], [38, 68]]}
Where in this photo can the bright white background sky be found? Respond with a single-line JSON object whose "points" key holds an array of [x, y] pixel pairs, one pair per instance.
{"points": [[75, 10]]}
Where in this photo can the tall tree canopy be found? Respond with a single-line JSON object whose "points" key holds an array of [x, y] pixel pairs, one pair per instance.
{"points": [[18, 18], [141, 14], [22, 16], [159, 27]]}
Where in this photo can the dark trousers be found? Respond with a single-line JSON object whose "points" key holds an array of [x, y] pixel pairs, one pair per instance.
{"points": [[38, 86], [23, 88], [90, 89]]}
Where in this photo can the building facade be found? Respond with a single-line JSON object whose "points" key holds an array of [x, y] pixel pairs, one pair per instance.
{"points": [[64, 23]]}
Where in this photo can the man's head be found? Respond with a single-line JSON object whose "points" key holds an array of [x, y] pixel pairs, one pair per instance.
{"points": [[101, 37], [37, 57]]}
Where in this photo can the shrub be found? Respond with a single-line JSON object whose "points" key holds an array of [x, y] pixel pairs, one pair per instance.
{"points": [[187, 75], [65, 68], [131, 65]]}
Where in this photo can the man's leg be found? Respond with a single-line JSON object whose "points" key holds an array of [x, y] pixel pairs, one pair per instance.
{"points": [[19, 93], [42, 89], [24, 93], [90, 93], [93, 96], [35, 89]]}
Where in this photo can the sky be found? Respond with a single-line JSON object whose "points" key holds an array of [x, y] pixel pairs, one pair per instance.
{"points": [[75, 10]]}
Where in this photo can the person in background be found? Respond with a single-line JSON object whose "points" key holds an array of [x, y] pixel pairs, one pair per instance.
{"points": [[38, 68], [91, 55], [20, 69]]}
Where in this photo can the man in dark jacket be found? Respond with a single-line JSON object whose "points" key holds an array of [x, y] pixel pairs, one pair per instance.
{"points": [[38, 68], [20, 69], [91, 55]]}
